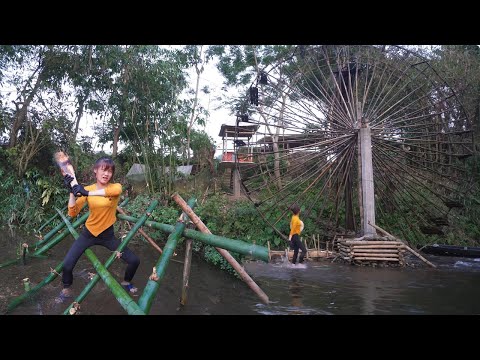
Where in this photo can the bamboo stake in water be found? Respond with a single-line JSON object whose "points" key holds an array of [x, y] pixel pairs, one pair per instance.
{"points": [[186, 271], [146, 299]]}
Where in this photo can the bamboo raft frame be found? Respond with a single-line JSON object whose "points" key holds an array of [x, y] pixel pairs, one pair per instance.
{"points": [[142, 306]]}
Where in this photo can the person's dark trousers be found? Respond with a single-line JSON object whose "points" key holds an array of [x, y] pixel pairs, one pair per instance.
{"points": [[106, 239], [297, 244]]}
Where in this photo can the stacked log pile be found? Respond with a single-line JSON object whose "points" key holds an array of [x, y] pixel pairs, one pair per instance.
{"points": [[371, 251]]}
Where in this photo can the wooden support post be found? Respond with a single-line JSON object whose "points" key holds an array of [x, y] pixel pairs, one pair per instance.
{"points": [[236, 183], [368, 199], [186, 270]]}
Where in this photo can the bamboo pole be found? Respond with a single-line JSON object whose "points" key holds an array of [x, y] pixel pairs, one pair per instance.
{"points": [[55, 230], [241, 247], [62, 235], [140, 230], [112, 257], [51, 219], [405, 245], [231, 260], [146, 299], [186, 271], [53, 274], [117, 290]]}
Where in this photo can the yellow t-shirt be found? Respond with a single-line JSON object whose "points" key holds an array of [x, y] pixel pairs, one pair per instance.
{"points": [[103, 209], [295, 225]]}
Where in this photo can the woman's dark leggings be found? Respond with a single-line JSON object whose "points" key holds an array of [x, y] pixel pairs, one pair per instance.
{"points": [[297, 244], [106, 239]]}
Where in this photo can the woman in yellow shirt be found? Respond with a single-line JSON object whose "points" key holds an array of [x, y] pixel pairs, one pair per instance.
{"points": [[102, 198], [296, 227]]}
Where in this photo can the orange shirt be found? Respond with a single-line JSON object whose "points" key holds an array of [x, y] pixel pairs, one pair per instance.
{"points": [[295, 225], [103, 209]]}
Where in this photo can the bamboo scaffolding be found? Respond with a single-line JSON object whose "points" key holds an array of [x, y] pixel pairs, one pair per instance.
{"points": [[241, 247], [231, 260], [38, 252], [81, 220], [140, 230], [146, 299], [112, 257], [65, 233], [117, 290], [55, 230]]}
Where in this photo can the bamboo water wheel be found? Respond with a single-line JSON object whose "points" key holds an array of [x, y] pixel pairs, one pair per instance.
{"points": [[311, 106]]}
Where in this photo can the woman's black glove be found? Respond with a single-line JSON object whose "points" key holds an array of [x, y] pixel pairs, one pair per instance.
{"points": [[67, 179], [79, 189]]}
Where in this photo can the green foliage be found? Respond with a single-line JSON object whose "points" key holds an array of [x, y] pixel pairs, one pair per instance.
{"points": [[27, 203]]}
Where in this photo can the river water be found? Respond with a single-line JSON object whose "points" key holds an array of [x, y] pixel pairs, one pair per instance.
{"points": [[319, 288]]}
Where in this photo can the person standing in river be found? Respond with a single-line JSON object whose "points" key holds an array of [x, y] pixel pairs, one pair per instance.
{"points": [[296, 227], [102, 198]]}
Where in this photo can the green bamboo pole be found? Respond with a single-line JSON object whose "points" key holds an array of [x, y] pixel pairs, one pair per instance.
{"points": [[51, 219], [55, 230], [238, 246], [17, 260], [110, 260], [117, 290], [62, 235], [146, 299]]}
